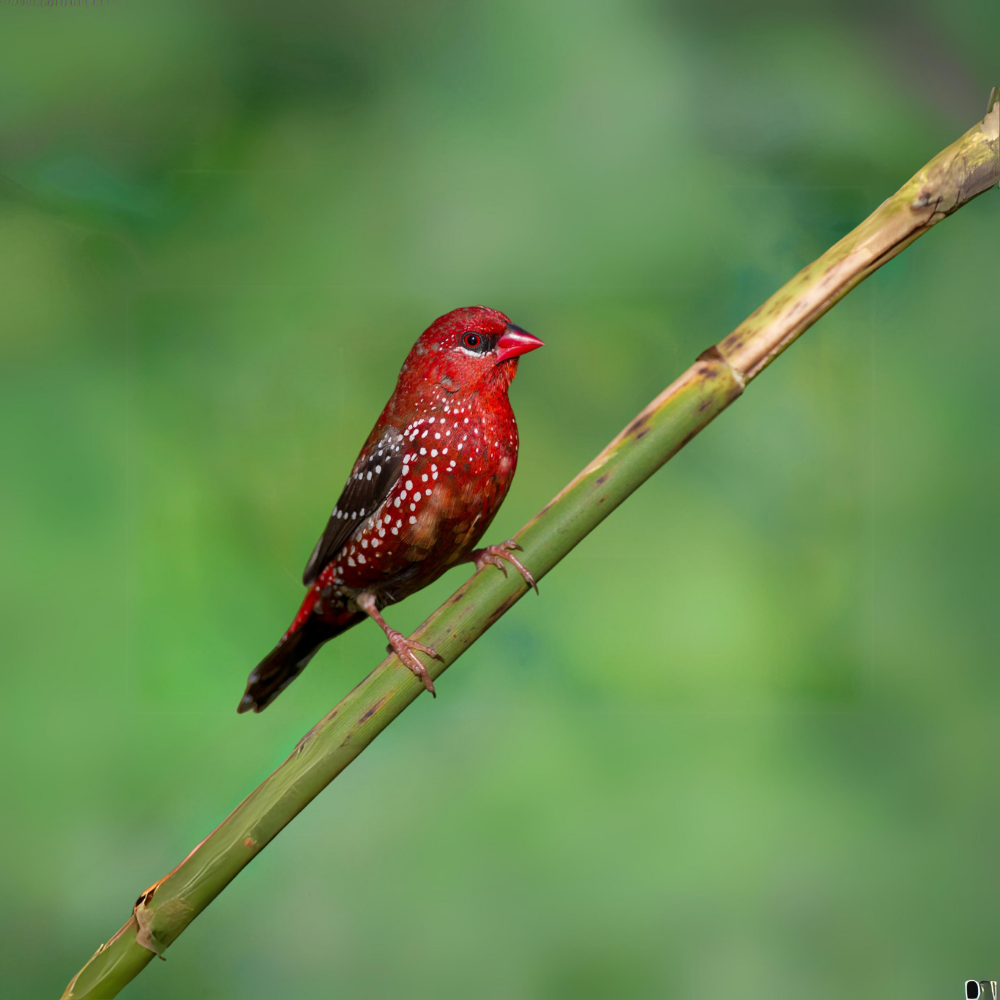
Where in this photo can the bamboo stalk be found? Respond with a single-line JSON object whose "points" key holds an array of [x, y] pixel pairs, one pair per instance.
{"points": [[955, 176]]}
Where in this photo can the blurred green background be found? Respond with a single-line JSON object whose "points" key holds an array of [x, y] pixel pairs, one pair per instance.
{"points": [[745, 741]]}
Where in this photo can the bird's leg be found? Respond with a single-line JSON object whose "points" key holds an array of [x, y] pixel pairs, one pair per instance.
{"points": [[405, 649], [494, 555]]}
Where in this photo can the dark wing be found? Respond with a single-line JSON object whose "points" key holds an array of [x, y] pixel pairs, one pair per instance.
{"points": [[371, 480]]}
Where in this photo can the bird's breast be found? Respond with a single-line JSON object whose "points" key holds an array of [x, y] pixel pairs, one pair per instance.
{"points": [[457, 467]]}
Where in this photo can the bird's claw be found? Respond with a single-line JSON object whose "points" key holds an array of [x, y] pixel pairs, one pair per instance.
{"points": [[406, 650], [496, 555], [413, 644]]}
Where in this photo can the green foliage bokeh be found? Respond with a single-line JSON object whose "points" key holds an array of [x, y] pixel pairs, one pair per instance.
{"points": [[743, 741]]}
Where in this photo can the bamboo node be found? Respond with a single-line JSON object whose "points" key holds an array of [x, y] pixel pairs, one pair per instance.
{"points": [[991, 123], [714, 354]]}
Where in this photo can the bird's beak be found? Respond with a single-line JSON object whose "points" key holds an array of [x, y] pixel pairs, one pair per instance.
{"points": [[516, 342]]}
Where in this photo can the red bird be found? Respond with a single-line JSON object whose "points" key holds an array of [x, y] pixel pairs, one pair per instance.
{"points": [[429, 479]]}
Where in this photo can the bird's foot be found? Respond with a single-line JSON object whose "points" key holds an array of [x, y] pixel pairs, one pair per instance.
{"points": [[494, 555], [406, 650]]}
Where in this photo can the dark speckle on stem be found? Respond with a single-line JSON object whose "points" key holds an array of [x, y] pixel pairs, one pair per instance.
{"points": [[638, 423], [371, 711], [503, 608], [711, 354], [603, 479]]}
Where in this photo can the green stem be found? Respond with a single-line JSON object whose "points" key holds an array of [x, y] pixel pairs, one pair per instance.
{"points": [[959, 173]]}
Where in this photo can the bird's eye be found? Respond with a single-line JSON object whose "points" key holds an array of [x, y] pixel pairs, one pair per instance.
{"points": [[472, 340]]}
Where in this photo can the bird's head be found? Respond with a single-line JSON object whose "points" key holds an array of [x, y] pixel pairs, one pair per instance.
{"points": [[469, 350]]}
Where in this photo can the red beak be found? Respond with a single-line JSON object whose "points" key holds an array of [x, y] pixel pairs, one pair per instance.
{"points": [[516, 342]]}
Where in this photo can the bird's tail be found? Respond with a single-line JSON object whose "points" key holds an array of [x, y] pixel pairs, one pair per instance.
{"points": [[289, 658]]}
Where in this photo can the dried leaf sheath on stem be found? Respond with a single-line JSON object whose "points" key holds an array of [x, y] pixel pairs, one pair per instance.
{"points": [[959, 173]]}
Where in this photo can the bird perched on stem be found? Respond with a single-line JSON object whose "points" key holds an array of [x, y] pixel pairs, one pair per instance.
{"points": [[428, 482]]}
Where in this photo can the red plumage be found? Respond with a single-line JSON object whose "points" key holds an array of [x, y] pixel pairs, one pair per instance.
{"points": [[424, 489]]}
